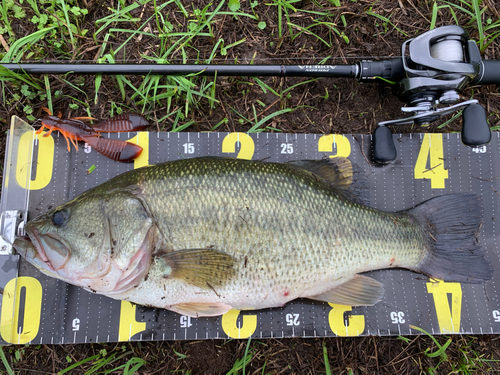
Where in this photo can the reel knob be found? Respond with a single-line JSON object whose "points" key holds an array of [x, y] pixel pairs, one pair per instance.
{"points": [[384, 150], [475, 129]]}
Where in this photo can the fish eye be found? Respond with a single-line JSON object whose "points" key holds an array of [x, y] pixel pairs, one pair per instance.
{"points": [[59, 217]]}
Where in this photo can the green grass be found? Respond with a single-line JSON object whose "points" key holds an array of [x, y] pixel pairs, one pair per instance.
{"points": [[285, 7], [102, 363], [61, 25], [487, 28], [153, 90], [174, 41], [436, 8], [386, 22], [468, 361], [321, 18], [240, 364], [441, 352], [257, 124], [328, 371], [6, 363]]}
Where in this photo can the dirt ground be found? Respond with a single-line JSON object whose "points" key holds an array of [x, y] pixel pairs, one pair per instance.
{"points": [[372, 355], [324, 106]]}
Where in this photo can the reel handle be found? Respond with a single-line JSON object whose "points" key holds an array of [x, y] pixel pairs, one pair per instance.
{"points": [[384, 151], [475, 129]]}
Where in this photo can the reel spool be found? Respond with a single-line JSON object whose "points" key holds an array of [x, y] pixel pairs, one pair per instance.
{"points": [[447, 50], [437, 65]]}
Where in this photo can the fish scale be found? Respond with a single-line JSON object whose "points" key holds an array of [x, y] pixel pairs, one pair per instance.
{"points": [[211, 234]]}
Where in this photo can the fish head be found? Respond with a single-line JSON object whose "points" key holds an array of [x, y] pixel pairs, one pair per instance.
{"points": [[102, 243]]}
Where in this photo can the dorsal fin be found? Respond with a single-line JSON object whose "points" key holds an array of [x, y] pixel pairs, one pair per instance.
{"points": [[342, 174]]}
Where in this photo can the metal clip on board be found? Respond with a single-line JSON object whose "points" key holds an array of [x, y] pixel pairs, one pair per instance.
{"points": [[432, 70], [16, 180]]}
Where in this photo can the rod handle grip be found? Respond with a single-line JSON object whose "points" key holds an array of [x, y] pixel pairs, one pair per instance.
{"points": [[489, 73], [384, 150]]}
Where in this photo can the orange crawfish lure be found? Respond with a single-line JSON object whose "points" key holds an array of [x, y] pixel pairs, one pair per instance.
{"points": [[74, 130]]}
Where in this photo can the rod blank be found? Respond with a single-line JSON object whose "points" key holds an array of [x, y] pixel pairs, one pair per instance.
{"points": [[347, 71]]}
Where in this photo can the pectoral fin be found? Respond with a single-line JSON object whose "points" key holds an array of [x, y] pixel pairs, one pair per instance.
{"points": [[196, 310], [359, 291], [204, 268]]}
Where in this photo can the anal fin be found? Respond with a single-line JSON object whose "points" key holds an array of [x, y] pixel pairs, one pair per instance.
{"points": [[359, 291]]}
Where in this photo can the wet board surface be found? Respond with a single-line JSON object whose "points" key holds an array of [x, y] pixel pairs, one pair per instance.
{"points": [[38, 309]]}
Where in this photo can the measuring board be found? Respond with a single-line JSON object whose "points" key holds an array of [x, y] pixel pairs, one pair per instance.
{"points": [[39, 309]]}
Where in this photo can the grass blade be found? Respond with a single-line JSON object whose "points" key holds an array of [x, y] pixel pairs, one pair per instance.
{"points": [[255, 128], [97, 84], [9, 75], [477, 13], [5, 362], [385, 19], [117, 16], [440, 351], [442, 348], [68, 24], [264, 87], [434, 16], [246, 355], [75, 365], [48, 93], [327, 362], [13, 55], [137, 364], [118, 78]]}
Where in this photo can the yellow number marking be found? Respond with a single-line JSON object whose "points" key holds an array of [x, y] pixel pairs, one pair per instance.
{"points": [[45, 161], [354, 326], [430, 161], [9, 323], [230, 325], [128, 325], [448, 316], [141, 139], [326, 142], [247, 145]]}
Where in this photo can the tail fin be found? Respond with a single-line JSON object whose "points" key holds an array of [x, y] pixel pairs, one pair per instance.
{"points": [[452, 224]]}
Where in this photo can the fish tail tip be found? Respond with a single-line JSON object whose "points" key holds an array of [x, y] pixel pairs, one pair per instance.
{"points": [[452, 224]]}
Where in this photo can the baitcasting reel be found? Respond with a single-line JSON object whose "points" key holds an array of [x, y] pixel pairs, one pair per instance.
{"points": [[437, 65]]}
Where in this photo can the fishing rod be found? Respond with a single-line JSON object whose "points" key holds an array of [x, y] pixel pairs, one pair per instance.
{"points": [[432, 70], [336, 71]]}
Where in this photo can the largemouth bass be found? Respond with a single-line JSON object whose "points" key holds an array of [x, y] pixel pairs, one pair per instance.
{"points": [[202, 236]]}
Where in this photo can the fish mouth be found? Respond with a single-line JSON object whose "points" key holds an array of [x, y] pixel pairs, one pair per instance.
{"points": [[25, 247], [32, 248], [40, 251]]}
